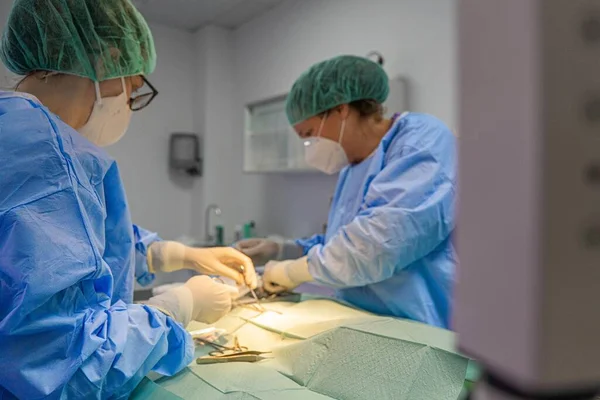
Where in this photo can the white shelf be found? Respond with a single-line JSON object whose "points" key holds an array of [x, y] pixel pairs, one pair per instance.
{"points": [[270, 143]]}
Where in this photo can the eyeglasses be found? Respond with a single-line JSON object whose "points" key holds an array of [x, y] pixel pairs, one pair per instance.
{"points": [[143, 100]]}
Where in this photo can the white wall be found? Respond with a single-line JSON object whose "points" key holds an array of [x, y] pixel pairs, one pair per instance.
{"points": [[158, 200], [417, 39], [215, 96]]}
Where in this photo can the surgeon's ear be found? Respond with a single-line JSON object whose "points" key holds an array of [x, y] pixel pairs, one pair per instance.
{"points": [[344, 111]]}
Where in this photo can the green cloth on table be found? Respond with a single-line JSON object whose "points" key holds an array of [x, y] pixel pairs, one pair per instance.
{"points": [[236, 381], [325, 350], [381, 365]]}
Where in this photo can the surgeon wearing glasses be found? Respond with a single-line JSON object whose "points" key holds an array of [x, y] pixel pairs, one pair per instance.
{"points": [[69, 253]]}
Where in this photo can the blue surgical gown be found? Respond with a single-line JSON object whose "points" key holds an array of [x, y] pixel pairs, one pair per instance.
{"points": [[69, 255], [388, 246]]}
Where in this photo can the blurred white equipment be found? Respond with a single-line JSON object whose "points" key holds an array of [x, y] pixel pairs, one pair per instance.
{"points": [[528, 302]]}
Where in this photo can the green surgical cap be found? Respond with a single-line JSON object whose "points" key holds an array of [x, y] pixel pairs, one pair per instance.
{"points": [[340, 80], [95, 39]]}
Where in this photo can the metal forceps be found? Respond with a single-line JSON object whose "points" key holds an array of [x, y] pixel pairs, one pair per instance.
{"points": [[226, 354], [245, 356]]}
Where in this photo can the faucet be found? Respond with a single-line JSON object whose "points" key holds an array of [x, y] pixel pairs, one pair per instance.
{"points": [[210, 239]]}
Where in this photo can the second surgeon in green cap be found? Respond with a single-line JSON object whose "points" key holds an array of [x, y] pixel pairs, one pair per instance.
{"points": [[388, 246]]}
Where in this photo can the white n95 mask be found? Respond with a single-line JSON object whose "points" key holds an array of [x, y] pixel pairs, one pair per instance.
{"points": [[109, 119], [324, 154]]}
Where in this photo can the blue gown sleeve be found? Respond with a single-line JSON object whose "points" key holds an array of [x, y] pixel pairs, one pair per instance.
{"points": [[143, 240], [408, 212], [61, 334], [310, 242]]}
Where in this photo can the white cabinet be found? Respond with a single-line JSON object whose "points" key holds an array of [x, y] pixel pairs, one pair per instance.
{"points": [[271, 144]]}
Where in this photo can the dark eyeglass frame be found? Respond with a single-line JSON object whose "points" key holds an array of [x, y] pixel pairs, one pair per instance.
{"points": [[152, 95]]}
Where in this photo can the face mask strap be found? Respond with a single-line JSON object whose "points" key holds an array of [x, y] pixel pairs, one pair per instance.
{"points": [[98, 95], [322, 123], [342, 129]]}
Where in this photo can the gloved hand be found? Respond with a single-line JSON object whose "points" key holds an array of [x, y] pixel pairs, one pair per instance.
{"points": [[212, 300], [222, 261], [286, 275], [262, 251], [201, 299]]}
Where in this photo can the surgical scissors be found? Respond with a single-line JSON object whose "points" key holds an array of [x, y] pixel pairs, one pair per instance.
{"points": [[221, 350], [224, 354]]}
